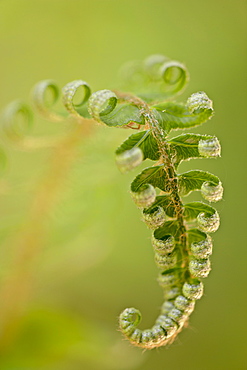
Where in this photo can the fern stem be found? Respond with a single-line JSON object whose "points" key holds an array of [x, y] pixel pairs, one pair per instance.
{"points": [[169, 168]]}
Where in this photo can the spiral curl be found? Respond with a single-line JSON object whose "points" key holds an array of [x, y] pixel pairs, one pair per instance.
{"points": [[209, 148], [202, 249], [13, 128], [199, 102], [18, 117], [168, 324], [101, 103], [164, 245], [208, 224], [155, 218], [200, 268], [130, 159], [39, 97], [145, 196], [168, 278], [156, 77], [211, 192], [69, 92]]}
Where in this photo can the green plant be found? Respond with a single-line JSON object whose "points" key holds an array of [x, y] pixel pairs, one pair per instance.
{"points": [[180, 241], [180, 237]]}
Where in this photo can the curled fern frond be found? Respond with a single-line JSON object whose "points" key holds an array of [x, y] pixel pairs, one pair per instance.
{"points": [[129, 159], [155, 78], [180, 240], [207, 217], [200, 244], [182, 246], [44, 105], [76, 89], [169, 278], [145, 196], [12, 127], [208, 224], [164, 245], [102, 103], [104, 106], [209, 147], [188, 146], [199, 103], [155, 218], [199, 268], [17, 122], [212, 192], [18, 117], [193, 290], [210, 185]]}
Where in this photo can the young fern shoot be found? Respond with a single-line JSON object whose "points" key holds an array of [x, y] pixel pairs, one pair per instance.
{"points": [[181, 251], [180, 231]]}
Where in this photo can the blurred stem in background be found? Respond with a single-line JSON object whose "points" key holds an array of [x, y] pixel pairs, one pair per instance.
{"points": [[18, 283]]}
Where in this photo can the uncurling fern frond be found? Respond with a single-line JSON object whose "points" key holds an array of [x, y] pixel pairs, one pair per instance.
{"points": [[180, 239], [180, 231], [18, 117]]}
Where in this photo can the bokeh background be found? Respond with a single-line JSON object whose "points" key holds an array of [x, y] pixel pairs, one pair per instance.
{"points": [[91, 257]]}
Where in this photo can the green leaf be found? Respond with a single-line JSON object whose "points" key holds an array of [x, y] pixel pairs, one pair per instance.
{"points": [[163, 201], [200, 244], [169, 228], [193, 180], [207, 217], [185, 146], [103, 107], [180, 116], [145, 141], [195, 236], [122, 115], [192, 210], [155, 176]]}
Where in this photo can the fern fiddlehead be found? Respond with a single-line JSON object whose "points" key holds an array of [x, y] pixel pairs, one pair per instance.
{"points": [[182, 246], [180, 239], [18, 117]]}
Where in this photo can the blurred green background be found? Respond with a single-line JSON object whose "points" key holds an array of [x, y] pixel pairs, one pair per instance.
{"points": [[95, 257]]}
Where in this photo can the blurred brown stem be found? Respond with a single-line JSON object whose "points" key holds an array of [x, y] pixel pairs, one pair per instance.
{"points": [[17, 285]]}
